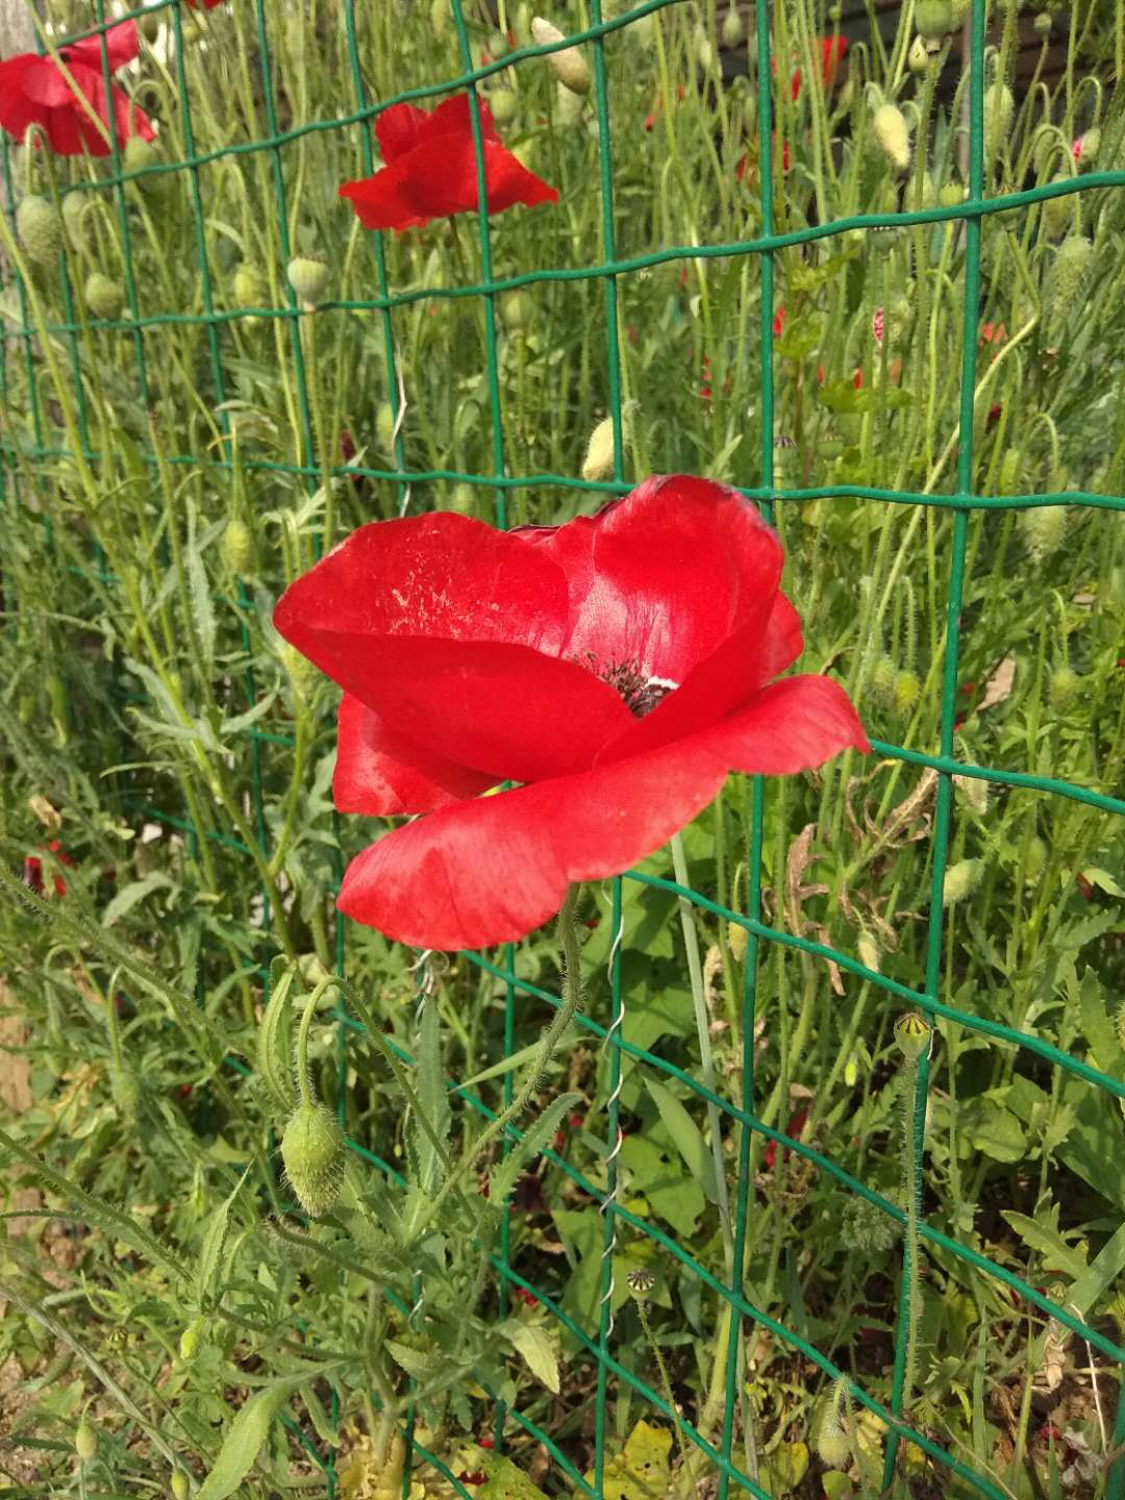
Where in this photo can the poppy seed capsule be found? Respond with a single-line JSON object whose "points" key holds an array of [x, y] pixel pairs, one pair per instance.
{"points": [[912, 1035], [85, 1441], [40, 228], [516, 308], [308, 276], [236, 547], [1042, 23], [918, 57], [961, 880], [893, 136], [569, 65], [104, 296], [312, 1149], [504, 104], [934, 20]]}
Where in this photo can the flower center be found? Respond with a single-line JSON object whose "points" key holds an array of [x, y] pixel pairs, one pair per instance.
{"points": [[639, 691]]}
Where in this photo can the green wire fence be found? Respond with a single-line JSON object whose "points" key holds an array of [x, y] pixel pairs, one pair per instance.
{"points": [[598, 1342]]}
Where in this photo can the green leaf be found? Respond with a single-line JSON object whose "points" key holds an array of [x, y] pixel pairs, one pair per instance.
{"points": [[996, 1131], [532, 1343], [687, 1138], [505, 1481], [244, 1439], [1043, 1236], [535, 1140], [275, 1036], [660, 1180], [214, 1243], [641, 1470], [131, 894], [421, 1365], [433, 1101]]}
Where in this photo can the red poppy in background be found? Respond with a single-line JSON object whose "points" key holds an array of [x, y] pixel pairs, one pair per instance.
{"points": [[207, 4], [619, 666], [33, 91], [430, 170], [33, 870], [832, 50]]}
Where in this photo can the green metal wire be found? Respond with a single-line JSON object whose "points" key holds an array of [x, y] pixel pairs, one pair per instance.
{"points": [[597, 1342]]}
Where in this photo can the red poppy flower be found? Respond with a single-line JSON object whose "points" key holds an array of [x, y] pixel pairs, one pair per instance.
{"points": [[207, 4], [779, 322], [430, 170], [33, 91], [832, 51], [619, 666], [33, 870]]}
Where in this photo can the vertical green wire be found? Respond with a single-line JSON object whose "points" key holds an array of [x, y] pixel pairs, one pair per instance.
{"points": [[763, 19], [906, 1333]]}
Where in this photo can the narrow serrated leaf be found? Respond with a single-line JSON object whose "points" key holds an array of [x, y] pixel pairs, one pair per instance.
{"points": [[214, 1244], [536, 1139], [135, 891], [244, 1439], [432, 1101], [275, 1038]]}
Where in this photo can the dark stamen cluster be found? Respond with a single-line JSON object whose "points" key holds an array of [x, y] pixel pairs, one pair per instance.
{"points": [[639, 692]]}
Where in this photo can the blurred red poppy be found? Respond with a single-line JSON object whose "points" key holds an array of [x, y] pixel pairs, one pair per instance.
{"points": [[619, 666], [33, 870], [832, 50], [33, 91], [207, 4], [430, 170]]}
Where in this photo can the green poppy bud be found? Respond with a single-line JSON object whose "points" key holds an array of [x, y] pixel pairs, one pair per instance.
{"points": [[312, 1149], [569, 65], [1042, 530], [85, 1441], [1063, 687], [733, 30], [236, 547], [104, 296], [1036, 860], [138, 155], [950, 194], [308, 276], [73, 207], [1042, 23], [737, 941], [912, 1035], [1073, 259], [833, 1448], [504, 104], [126, 1093], [918, 58], [883, 676], [892, 135], [517, 309], [906, 690], [1009, 476], [999, 109], [181, 1485], [246, 287], [961, 880], [40, 228], [189, 1340]]}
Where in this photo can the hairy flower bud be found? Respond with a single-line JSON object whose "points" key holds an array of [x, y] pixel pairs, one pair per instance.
{"points": [[961, 880], [1058, 213], [85, 1441], [912, 1035], [598, 463], [1073, 259], [126, 1092], [906, 690], [1042, 530], [40, 228], [733, 30], [892, 135], [308, 276], [236, 547], [181, 1485], [246, 287], [74, 206], [999, 109], [1063, 687], [569, 65], [302, 674], [504, 104], [1086, 147], [138, 155], [1009, 476], [517, 308], [312, 1149], [832, 1446], [737, 941], [104, 296]]}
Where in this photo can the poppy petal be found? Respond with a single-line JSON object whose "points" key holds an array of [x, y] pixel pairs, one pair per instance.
{"points": [[122, 42], [398, 130], [666, 574], [450, 631], [492, 870], [381, 774]]}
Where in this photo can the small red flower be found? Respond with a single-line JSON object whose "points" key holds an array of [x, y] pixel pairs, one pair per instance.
{"points": [[779, 322], [207, 4], [745, 171], [486, 1442], [33, 91], [1086, 890], [877, 323], [792, 1130], [619, 666], [528, 1298], [832, 50], [993, 333], [33, 870], [994, 412], [430, 170]]}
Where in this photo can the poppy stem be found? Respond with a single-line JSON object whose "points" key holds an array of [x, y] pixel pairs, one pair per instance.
{"points": [[567, 930]]}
